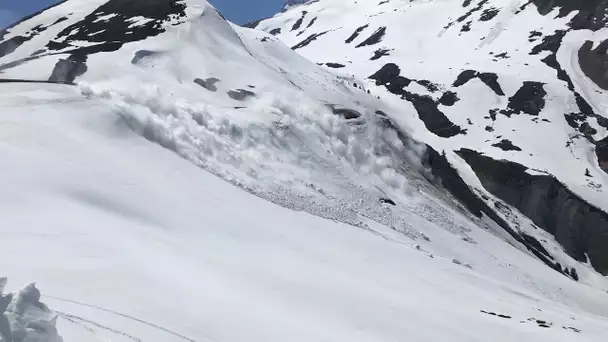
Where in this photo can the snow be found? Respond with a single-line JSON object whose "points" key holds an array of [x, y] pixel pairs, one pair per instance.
{"points": [[426, 41], [130, 232], [148, 208]]}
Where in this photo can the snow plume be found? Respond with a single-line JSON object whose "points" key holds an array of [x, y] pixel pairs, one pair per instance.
{"points": [[25, 318], [287, 136], [290, 150]]}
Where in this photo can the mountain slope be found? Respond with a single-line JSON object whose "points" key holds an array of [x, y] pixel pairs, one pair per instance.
{"points": [[129, 241], [188, 176], [497, 85]]}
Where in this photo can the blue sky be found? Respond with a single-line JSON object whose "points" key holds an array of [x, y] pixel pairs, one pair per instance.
{"points": [[238, 11]]}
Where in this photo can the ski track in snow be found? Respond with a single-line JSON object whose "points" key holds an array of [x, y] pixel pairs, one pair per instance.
{"points": [[85, 322]]}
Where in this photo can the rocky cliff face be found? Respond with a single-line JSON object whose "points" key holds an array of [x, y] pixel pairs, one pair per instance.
{"points": [[580, 228]]}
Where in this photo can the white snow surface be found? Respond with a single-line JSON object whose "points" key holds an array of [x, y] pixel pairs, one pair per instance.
{"points": [[425, 40], [29, 319], [148, 208]]}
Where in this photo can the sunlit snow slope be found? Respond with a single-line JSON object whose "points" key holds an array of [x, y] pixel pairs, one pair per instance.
{"points": [[515, 93], [190, 180]]}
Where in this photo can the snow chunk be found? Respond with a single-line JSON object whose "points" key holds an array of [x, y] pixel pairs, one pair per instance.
{"points": [[26, 319]]}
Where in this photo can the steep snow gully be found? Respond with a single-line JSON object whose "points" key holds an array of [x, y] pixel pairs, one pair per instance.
{"points": [[347, 170]]}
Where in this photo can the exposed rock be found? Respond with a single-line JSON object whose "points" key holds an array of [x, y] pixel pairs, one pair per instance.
{"points": [[430, 86], [142, 55], [506, 145], [389, 201], [308, 40], [579, 227], [450, 180], [466, 27], [346, 113], [66, 70], [574, 274], [449, 98], [356, 34], [240, 94], [594, 62], [586, 129], [335, 65], [117, 29], [208, 84], [464, 17], [489, 79], [312, 22], [389, 76], [375, 38], [379, 54], [434, 120], [601, 151], [529, 99], [299, 22], [489, 14], [254, 23], [591, 14]]}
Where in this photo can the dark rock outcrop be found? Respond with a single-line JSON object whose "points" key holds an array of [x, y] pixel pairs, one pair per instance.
{"points": [[449, 98], [66, 70], [142, 55], [480, 5], [594, 62], [379, 54], [579, 227], [335, 65], [387, 201], [426, 107], [449, 179], [308, 40], [346, 113], [299, 22], [506, 145], [488, 78], [489, 14], [375, 38], [312, 22], [240, 94], [591, 14], [208, 83], [529, 99], [356, 34], [117, 28], [601, 151]]}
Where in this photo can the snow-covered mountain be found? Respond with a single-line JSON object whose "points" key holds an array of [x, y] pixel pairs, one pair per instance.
{"points": [[514, 92], [169, 176], [291, 3]]}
